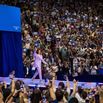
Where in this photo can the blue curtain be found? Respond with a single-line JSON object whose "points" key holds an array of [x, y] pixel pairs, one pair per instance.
{"points": [[0, 54], [11, 53]]}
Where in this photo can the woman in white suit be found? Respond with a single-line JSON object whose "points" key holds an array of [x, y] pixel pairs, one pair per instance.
{"points": [[38, 59]]}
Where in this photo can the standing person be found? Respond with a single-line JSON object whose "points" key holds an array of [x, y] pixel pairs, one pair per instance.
{"points": [[38, 59]]}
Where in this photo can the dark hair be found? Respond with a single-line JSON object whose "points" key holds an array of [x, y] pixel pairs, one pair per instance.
{"points": [[80, 90], [36, 96], [6, 93], [38, 50], [84, 94], [61, 85], [18, 84], [1, 88], [73, 100], [59, 94]]}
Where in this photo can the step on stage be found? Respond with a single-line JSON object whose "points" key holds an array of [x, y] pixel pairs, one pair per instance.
{"points": [[36, 82]]}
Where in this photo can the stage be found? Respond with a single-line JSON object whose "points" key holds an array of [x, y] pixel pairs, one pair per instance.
{"points": [[36, 82]]}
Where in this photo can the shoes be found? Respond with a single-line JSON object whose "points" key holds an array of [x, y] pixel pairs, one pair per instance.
{"points": [[32, 79]]}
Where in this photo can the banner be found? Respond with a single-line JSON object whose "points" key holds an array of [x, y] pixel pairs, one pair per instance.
{"points": [[10, 18]]}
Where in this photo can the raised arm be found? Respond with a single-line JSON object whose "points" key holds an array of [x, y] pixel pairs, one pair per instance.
{"points": [[68, 85], [74, 87], [51, 89], [12, 86], [53, 84]]}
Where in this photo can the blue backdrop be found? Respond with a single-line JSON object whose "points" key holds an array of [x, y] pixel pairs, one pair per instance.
{"points": [[10, 18], [11, 53], [10, 41]]}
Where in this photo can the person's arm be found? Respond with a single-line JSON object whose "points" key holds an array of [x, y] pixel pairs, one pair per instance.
{"points": [[10, 98], [74, 87], [53, 84], [43, 60], [23, 97], [1, 97], [52, 93], [68, 85], [13, 86], [51, 89]]}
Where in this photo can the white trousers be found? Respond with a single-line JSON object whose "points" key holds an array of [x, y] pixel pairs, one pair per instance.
{"points": [[38, 71]]}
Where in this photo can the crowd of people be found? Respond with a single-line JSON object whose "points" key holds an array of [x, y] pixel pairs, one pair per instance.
{"points": [[69, 34], [19, 92]]}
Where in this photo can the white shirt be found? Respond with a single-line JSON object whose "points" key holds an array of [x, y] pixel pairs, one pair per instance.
{"points": [[38, 59], [79, 98]]}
